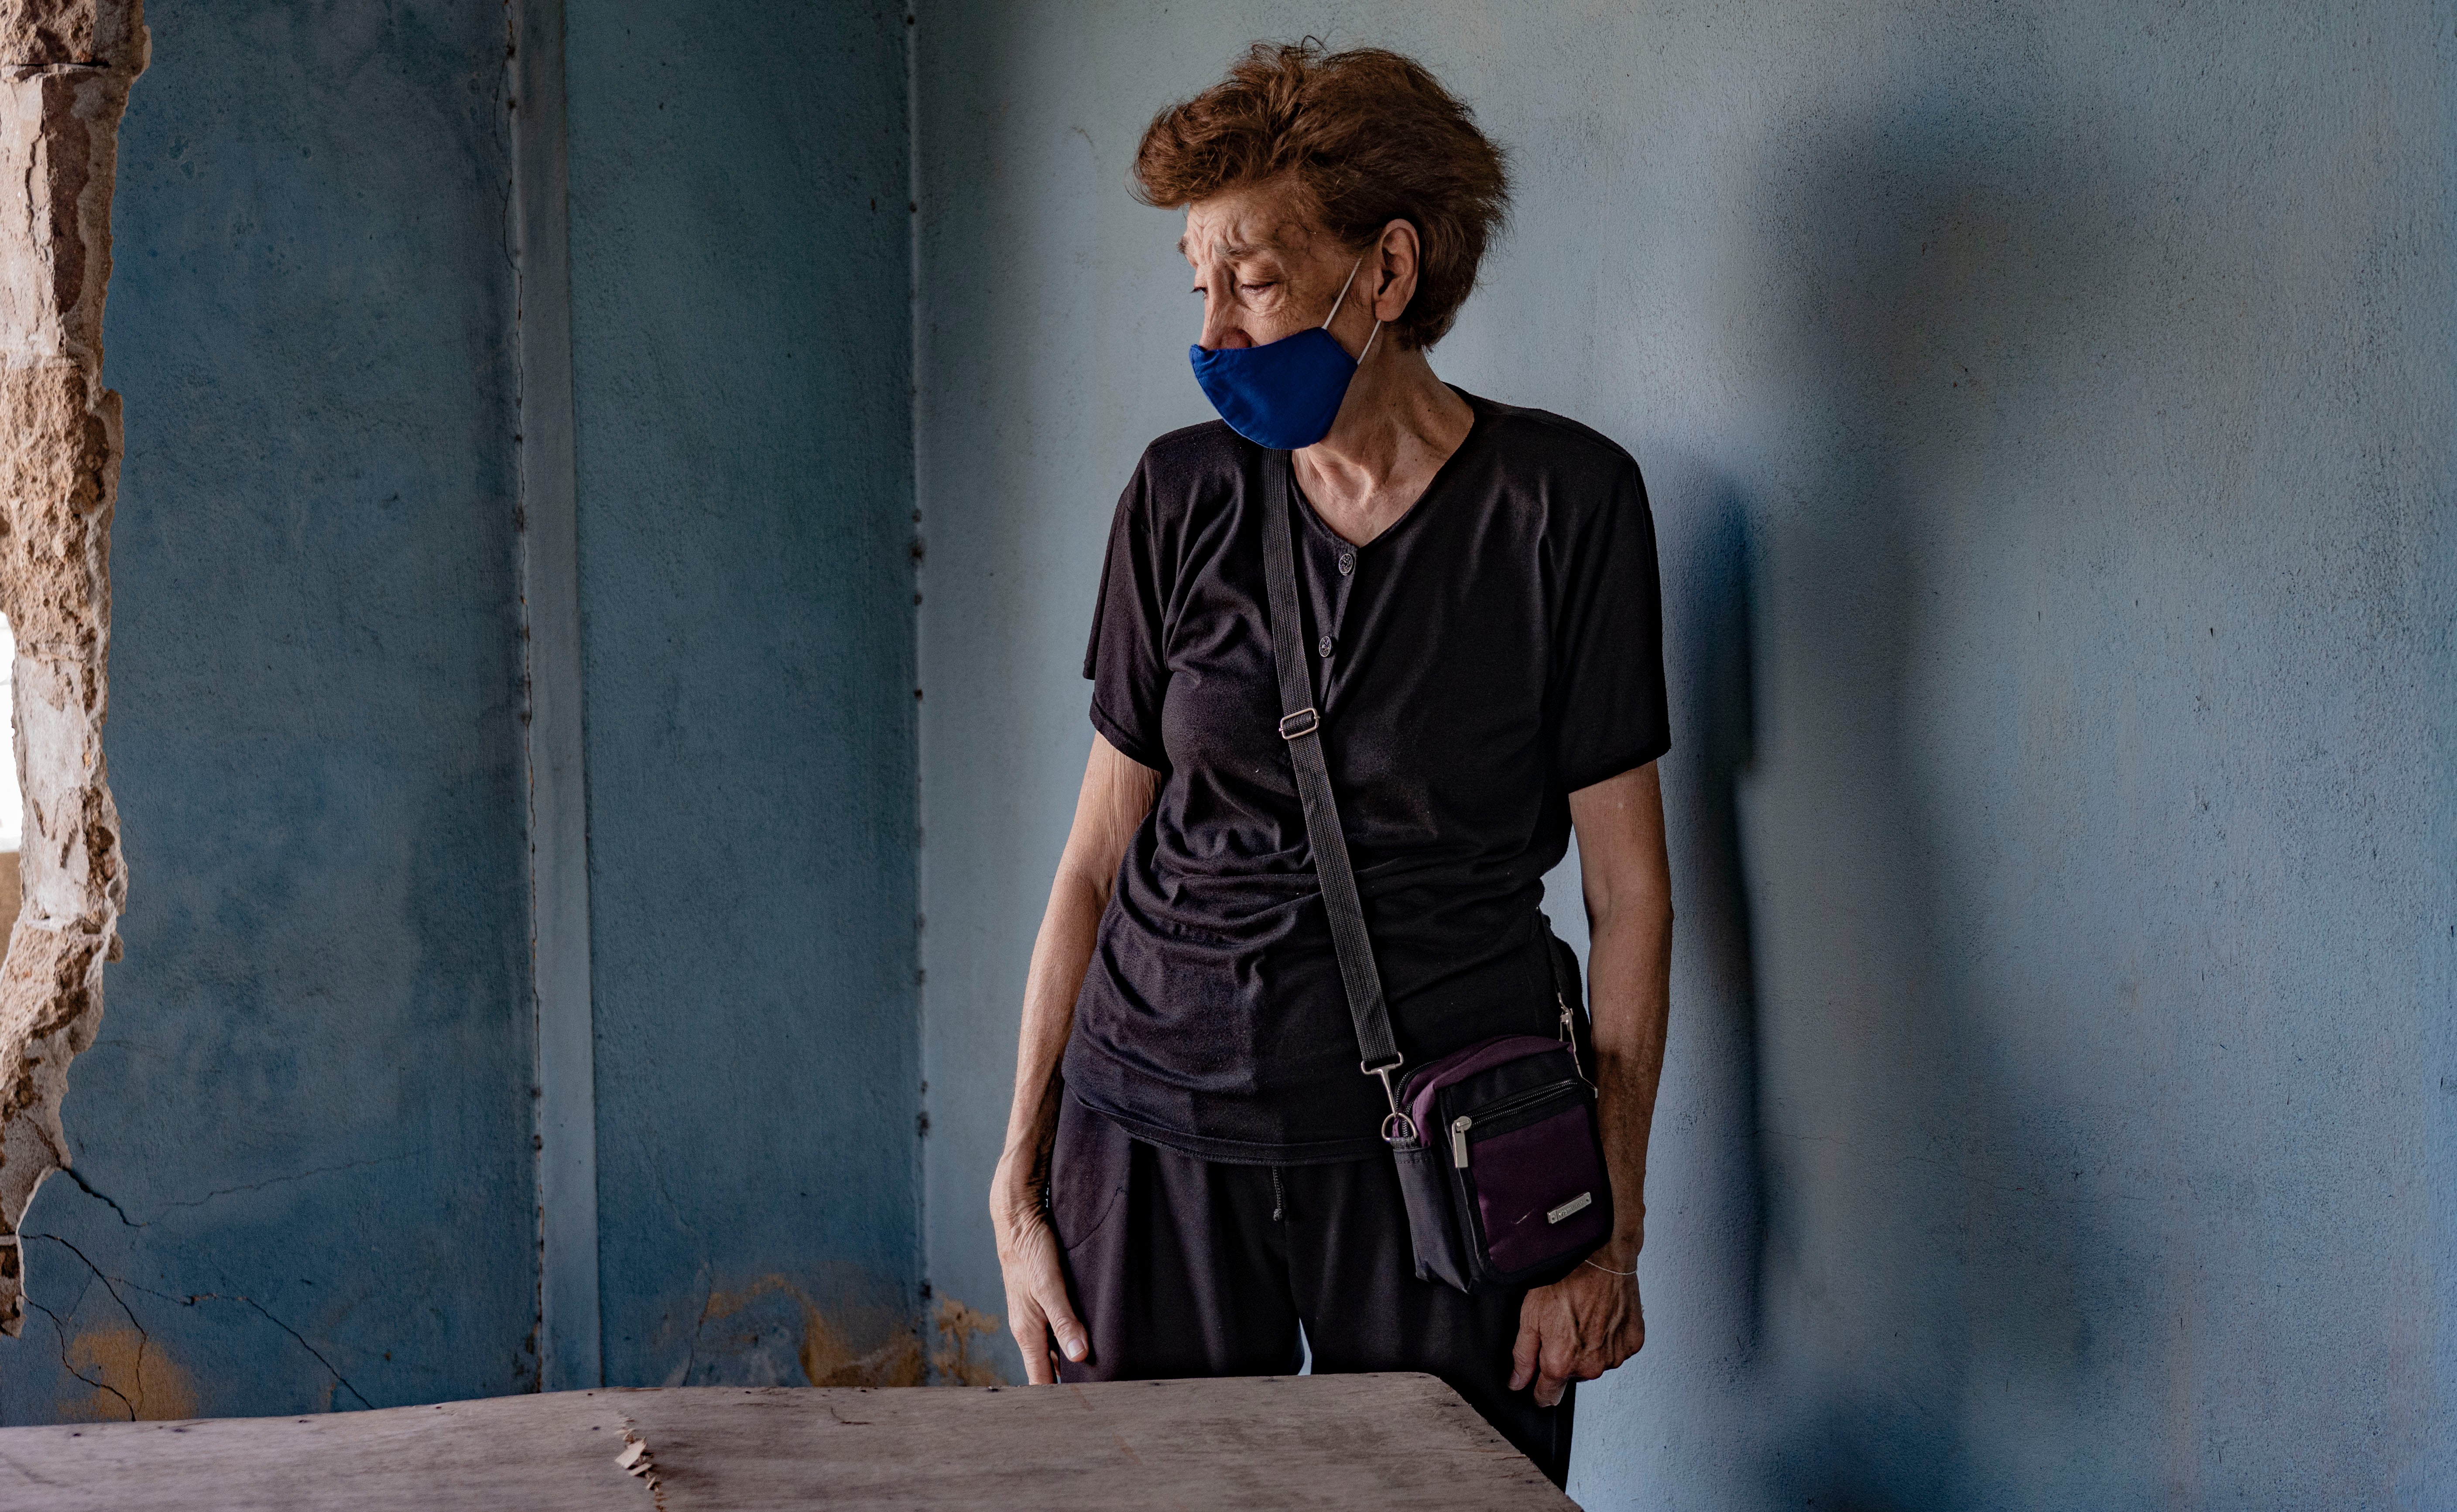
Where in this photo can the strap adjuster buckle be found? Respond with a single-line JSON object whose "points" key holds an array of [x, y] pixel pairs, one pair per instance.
{"points": [[1304, 722]]}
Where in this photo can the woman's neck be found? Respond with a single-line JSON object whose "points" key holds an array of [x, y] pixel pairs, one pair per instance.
{"points": [[1396, 427]]}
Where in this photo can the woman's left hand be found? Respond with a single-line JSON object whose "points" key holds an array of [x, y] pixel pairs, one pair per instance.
{"points": [[1578, 1328]]}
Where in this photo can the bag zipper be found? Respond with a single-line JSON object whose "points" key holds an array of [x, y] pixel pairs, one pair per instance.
{"points": [[1461, 1125], [1570, 1035]]}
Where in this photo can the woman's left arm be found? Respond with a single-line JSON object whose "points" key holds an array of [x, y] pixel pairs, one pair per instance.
{"points": [[1587, 1324]]}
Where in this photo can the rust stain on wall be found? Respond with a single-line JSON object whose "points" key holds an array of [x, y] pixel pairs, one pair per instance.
{"points": [[65, 70], [132, 1379], [959, 1325], [828, 1356]]}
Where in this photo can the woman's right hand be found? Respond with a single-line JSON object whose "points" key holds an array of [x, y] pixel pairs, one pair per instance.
{"points": [[1029, 1259], [1117, 793]]}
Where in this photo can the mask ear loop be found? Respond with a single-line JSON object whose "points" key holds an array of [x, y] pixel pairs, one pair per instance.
{"points": [[1343, 300]]}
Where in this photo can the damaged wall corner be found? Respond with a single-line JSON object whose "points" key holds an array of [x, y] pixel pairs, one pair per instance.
{"points": [[68, 66]]}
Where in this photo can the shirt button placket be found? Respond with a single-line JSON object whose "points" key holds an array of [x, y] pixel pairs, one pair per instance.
{"points": [[1343, 557]]}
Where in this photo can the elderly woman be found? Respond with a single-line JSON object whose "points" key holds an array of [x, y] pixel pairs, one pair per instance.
{"points": [[1196, 1179]]}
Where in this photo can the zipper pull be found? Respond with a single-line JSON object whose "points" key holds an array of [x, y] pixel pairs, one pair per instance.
{"points": [[1569, 1038], [1458, 1140]]}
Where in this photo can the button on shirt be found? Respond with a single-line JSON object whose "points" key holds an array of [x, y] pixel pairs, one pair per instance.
{"points": [[1496, 649]]}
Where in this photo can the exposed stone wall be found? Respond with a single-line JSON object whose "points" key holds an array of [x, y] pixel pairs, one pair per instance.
{"points": [[67, 64]]}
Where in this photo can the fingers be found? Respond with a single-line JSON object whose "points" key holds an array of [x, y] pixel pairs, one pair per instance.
{"points": [[1548, 1354], [1038, 1308], [1073, 1342], [1556, 1366], [1031, 1331], [1523, 1350], [1550, 1388], [1039, 1366], [1548, 1341]]}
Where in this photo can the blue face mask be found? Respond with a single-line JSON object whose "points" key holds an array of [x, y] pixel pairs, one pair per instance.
{"points": [[1283, 394]]}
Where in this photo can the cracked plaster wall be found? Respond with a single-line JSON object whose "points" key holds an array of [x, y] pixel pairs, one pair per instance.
{"points": [[300, 1140], [304, 1168], [65, 70]]}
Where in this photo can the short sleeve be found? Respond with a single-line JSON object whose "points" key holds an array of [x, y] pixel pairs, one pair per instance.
{"points": [[1608, 643], [1123, 659]]}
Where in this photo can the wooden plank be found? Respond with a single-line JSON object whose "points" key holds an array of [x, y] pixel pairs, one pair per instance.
{"points": [[1358, 1442], [552, 1453], [1355, 1442]]}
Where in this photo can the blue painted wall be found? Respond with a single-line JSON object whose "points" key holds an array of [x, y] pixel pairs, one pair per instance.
{"points": [[306, 1132], [305, 1121], [2049, 415], [741, 363]]}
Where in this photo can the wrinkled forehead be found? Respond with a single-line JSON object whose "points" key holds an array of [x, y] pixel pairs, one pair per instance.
{"points": [[1242, 223]]}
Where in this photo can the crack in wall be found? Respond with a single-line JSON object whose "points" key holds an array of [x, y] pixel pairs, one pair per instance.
{"points": [[87, 1187], [107, 1200], [112, 1285], [245, 1186], [66, 66], [298, 1338], [66, 1364], [143, 1339]]}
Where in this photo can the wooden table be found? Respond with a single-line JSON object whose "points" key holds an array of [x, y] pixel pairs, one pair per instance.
{"points": [[1359, 1443]]}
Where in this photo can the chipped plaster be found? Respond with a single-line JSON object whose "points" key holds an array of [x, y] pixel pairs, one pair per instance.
{"points": [[66, 66]]}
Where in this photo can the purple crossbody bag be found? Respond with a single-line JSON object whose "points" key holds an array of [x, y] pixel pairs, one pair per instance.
{"points": [[1498, 1147]]}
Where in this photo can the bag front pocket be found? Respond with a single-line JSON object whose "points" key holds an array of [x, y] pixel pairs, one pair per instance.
{"points": [[1531, 1180]]}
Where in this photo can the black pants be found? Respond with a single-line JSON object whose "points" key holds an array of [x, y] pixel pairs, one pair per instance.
{"points": [[1182, 1266]]}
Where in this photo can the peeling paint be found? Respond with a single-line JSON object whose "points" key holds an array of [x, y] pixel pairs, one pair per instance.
{"points": [[67, 64]]}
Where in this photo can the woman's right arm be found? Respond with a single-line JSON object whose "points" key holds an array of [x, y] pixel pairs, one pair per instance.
{"points": [[1117, 793]]}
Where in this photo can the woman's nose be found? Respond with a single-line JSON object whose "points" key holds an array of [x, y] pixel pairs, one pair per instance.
{"points": [[1220, 331]]}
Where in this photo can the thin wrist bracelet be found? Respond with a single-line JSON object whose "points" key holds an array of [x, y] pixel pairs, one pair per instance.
{"points": [[1609, 1271]]}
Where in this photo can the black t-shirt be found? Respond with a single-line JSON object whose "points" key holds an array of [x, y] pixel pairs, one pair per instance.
{"points": [[1496, 649]]}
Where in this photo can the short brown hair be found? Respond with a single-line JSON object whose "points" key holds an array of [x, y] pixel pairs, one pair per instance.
{"points": [[1370, 137]]}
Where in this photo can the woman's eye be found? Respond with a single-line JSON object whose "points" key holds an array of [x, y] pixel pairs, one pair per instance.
{"points": [[1253, 288]]}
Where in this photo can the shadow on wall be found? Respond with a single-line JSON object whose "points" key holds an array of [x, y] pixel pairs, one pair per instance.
{"points": [[1707, 552], [1922, 1242]]}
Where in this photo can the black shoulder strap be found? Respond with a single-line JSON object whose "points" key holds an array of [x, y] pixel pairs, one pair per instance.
{"points": [[1301, 727]]}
